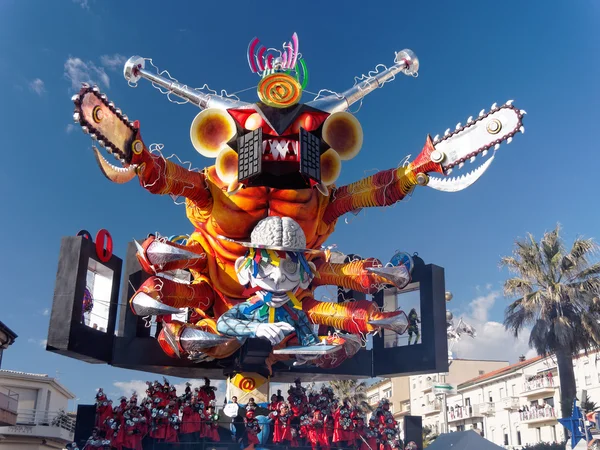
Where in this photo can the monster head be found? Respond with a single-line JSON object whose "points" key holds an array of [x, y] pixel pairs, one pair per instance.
{"points": [[277, 142]]}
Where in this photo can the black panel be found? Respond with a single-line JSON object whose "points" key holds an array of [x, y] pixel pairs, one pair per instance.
{"points": [[130, 325], [432, 354], [279, 119], [310, 155], [413, 430], [66, 334], [86, 417], [249, 155]]}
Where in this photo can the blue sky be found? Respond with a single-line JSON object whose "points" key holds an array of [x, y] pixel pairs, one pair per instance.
{"points": [[542, 54]]}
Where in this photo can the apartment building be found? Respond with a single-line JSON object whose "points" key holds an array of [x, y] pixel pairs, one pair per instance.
{"points": [[520, 404], [424, 402], [41, 404], [396, 390]]}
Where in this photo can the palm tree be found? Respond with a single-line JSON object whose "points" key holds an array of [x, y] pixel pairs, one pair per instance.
{"points": [[558, 295], [354, 391], [428, 436], [588, 405]]}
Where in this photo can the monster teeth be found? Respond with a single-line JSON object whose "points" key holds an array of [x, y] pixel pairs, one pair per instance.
{"points": [[119, 112], [470, 119], [111, 104], [494, 106], [522, 129], [76, 117], [523, 112], [449, 171], [447, 132], [496, 147], [436, 138], [483, 153], [75, 98], [101, 143], [85, 130], [461, 165], [94, 137], [509, 140], [85, 85], [458, 126], [96, 89], [473, 158], [510, 102], [125, 118]]}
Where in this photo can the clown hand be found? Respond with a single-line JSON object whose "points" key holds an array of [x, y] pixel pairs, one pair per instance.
{"points": [[274, 332]]}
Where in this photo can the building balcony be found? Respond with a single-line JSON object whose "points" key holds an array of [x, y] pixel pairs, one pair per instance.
{"points": [[403, 411], [484, 409], [427, 386], [457, 413], [56, 425], [538, 415], [432, 408], [9, 402], [510, 403], [538, 386]]}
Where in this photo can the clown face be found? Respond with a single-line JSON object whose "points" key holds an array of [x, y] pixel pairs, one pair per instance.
{"points": [[285, 273]]}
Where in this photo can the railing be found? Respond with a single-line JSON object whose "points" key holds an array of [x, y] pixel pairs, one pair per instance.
{"points": [[9, 400], [461, 412], [433, 407], [485, 409], [510, 403], [36, 417], [539, 382], [537, 413]]}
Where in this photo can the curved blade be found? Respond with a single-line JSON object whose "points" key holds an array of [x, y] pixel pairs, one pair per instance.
{"points": [[115, 174], [456, 184], [144, 305]]}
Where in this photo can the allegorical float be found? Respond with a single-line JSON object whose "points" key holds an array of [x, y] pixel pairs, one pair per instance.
{"points": [[263, 212]]}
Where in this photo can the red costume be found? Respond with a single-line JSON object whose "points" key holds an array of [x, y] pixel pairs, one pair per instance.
{"points": [[252, 428], [132, 436], [212, 426], [172, 430], [189, 424], [343, 428], [283, 429], [317, 434], [371, 435]]}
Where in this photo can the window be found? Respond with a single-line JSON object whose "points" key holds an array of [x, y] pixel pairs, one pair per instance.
{"points": [[550, 401], [514, 392], [519, 438], [490, 399], [586, 372], [553, 430], [467, 401], [460, 428], [501, 392], [414, 385], [505, 438], [538, 434], [387, 393], [48, 395], [481, 372], [374, 399]]}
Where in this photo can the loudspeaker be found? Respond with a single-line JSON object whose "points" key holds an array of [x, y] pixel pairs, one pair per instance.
{"points": [[413, 430], [86, 417]]}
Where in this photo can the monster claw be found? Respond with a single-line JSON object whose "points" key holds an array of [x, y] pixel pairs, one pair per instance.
{"points": [[144, 305], [397, 323], [398, 276]]}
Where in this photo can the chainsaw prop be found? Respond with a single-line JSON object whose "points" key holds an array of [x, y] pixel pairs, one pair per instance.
{"points": [[277, 159]]}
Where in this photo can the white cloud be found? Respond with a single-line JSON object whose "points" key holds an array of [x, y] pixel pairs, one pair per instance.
{"points": [[37, 86], [70, 128], [46, 312], [85, 4], [113, 62], [41, 342], [77, 72], [492, 341]]}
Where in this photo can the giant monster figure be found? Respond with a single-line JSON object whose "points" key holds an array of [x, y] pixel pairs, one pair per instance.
{"points": [[276, 157]]}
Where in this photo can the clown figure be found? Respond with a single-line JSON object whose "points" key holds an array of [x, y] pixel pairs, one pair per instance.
{"points": [[276, 268]]}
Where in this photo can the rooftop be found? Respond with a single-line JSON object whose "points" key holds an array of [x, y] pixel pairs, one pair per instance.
{"points": [[9, 375], [499, 372], [27, 374]]}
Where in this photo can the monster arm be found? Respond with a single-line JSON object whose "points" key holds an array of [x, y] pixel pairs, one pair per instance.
{"points": [[236, 323], [161, 176]]}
